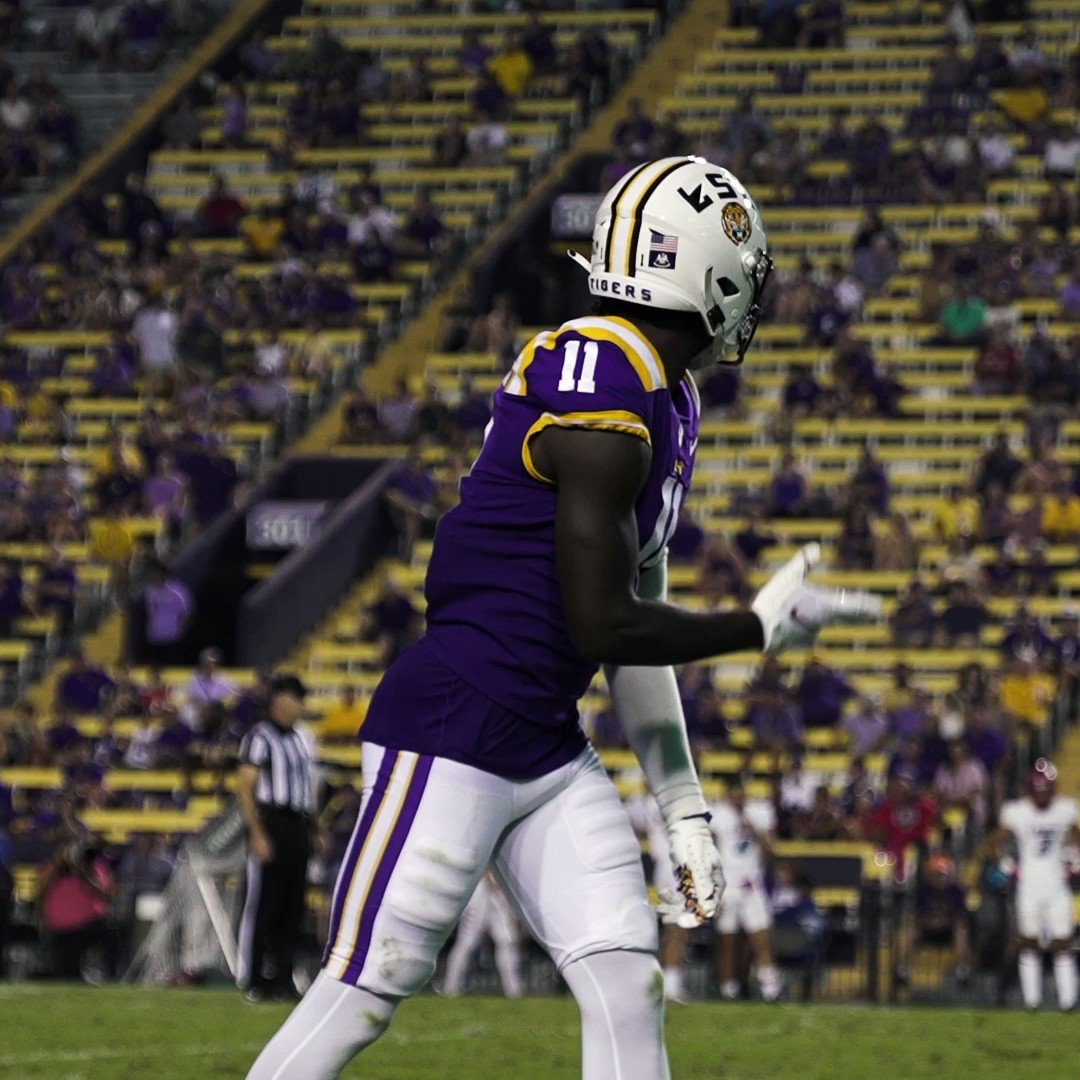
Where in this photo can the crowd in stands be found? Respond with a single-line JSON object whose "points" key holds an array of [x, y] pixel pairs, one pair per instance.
{"points": [[39, 134]]}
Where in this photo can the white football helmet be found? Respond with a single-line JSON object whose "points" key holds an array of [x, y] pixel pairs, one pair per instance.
{"points": [[683, 234]]}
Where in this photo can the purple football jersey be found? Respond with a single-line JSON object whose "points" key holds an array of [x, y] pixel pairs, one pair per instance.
{"points": [[495, 615]]}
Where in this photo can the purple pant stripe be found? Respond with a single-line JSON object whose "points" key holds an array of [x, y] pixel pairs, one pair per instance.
{"points": [[386, 866], [348, 865]]}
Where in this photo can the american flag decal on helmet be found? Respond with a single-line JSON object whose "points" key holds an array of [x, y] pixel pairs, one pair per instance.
{"points": [[663, 249]]}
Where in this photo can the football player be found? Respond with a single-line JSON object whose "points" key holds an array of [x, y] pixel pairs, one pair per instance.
{"points": [[487, 914], [1042, 824], [744, 835], [553, 564]]}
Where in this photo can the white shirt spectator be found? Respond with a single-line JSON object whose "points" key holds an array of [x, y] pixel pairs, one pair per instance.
{"points": [[797, 789], [140, 751], [997, 152], [96, 25], [155, 332], [271, 355], [202, 690], [16, 114], [488, 141], [319, 188], [378, 220], [1062, 154]]}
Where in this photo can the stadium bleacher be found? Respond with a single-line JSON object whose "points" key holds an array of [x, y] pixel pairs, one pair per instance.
{"points": [[940, 429]]}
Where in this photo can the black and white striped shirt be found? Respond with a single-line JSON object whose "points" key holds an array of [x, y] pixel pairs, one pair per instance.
{"points": [[285, 759]]}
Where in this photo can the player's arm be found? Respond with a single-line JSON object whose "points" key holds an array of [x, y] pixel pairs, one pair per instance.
{"points": [[599, 475], [247, 776], [647, 702]]}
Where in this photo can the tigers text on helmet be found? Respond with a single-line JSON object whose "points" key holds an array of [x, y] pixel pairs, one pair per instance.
{"points": [[684, 235]]}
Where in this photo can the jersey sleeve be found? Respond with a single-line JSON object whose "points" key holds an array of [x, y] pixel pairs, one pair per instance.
{"points": [[586, 376], [1010, 816], [252, 749], [762, 817]]}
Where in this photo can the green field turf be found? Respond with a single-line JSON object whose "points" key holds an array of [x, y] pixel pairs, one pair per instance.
{"points": [[76, 1033]]}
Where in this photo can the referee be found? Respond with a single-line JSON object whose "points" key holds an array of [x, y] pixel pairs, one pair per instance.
{"points": [[275, 788]]}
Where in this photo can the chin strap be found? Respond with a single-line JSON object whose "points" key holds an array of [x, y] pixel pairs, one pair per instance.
{"points": [[580, 260]]}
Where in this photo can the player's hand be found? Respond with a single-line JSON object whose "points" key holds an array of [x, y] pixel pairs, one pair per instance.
{"points": [[792, 612], [261, 847], [698, 877]]}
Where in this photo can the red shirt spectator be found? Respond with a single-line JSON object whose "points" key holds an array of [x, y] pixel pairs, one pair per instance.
{"points": [[901, 819]]}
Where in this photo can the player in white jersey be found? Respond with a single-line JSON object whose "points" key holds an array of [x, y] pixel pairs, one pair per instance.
{"points": [[487, 914], [1041, 825], [648, 822], [744, 834]]}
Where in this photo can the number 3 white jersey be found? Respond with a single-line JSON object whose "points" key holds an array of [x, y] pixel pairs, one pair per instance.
{"points": [[1040, 839], [740, 853]]}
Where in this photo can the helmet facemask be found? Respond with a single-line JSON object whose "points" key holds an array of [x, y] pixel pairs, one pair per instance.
{"points": [[758, 266]]}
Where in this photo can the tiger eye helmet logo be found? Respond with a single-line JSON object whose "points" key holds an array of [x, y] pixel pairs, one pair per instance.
{"points": [[736, 222]]}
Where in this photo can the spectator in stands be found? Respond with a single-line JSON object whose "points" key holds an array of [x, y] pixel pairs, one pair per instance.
{"points": [[473, 55], [867, 728], [155, 330], [489, 99], [450, 145], [359, 419], [264, 231], [84, 687], [987, 743], [56, 589], [473, 410], [687, 540], [22, 742], [538, 41], [1027, 693], [496, 332], [410, 496], [869, 155], [801, 391], [206, 687], [221, 211], [998, 465], [144, 871], [752, 539], [487, 141], [902, 818], [390, 621], [913, 621], [634, 132], [721, 573], [13, 601], [788, 489], [964, 617], [74, 902], [703, 709], [896, 548], [512, 66], [962, 783], [1061, 155], [963, 318], [1024, 639], [234, 116], [424, 234], [342, 720], [164, 495], [998, 369], [169, 608], [413, 84], [823, 25], [775, 723], [822, 821], [855, 546], [941, 919], [822, 694], [1059, 208]]}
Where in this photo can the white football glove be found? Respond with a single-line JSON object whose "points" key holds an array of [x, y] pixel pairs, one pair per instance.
{"points": [[698, 877], [792, 612]]}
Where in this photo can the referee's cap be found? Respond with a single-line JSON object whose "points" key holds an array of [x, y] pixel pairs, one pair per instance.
{"points": [[288, 684]]}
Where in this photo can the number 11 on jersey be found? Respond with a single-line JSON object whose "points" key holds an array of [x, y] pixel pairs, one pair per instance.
{"points": [[585, 383]]}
